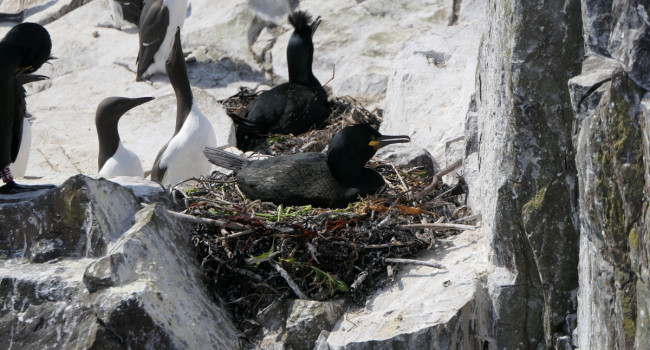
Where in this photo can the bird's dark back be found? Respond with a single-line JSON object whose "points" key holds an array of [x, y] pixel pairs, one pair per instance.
{"points": [[297, 179]]}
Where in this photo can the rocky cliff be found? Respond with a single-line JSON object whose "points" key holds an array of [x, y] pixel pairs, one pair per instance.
{"points": [[546, 103], [562, 157]]}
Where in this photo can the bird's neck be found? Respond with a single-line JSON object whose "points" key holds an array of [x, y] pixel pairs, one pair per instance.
{"points": [[301, 73], [109, 140], [344, 168], [300, 56], [9, 60], [184, 98]]}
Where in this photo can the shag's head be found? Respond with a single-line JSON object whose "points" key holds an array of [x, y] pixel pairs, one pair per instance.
{"points": [[32, 43], [111, 109], [352, 147], [300, 50], [303, 25]]}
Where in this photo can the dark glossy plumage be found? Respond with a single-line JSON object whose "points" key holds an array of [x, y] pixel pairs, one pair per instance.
{"points": [[153, 24], [294, 107], [332, 180], [131, 10], [24, 49]]}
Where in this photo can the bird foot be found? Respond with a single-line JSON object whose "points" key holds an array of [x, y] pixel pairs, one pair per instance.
{"points": [[12, 187]]}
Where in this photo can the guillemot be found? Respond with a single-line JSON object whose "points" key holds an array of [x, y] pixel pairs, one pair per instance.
{"points": [[294, 107], [126, 12], [114, 159], [333, 180], [158, 21], [181, 157], [24, 49]]}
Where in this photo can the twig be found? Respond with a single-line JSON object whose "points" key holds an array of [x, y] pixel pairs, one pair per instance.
{"points": [[333, 74], [188, 180], [406, 189], [235, 235], [390, 245], [357, 282], [469, 218], [436, 178], [205, 221], [436, 225], [245, 273], [126, 66], [415, 262], [289, 281]]}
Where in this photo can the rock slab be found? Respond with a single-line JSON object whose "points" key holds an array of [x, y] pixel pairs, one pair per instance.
{"points": [[109, 278]]}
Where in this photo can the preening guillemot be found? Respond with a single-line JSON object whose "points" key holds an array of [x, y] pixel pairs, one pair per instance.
{"points": [[158, 21], [331, 180], [114, 159], [24, 49], [126, 12], [181, 157], [294, 107]]}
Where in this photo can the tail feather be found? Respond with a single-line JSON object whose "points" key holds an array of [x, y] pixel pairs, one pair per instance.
{"points": [[246, 124], [224, 159]]}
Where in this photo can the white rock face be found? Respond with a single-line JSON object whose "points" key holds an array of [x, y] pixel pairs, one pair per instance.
{"points": [[429, 94], [425, 304], [362, 39]]}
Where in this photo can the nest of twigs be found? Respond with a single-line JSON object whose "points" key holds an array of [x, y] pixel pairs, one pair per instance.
{"points": [[255, 254], [344, 111]]}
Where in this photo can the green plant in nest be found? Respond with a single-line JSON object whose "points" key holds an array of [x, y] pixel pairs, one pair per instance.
{"points": [[285, 213], [333, 283], [265, 254]]}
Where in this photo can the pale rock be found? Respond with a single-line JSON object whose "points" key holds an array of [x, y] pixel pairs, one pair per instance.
{"points": [[95, 282], [360, 41], [409, 155], [41, 11], [426, 308], [224, 28], [430, 92], [274, 11], [297, 324]]}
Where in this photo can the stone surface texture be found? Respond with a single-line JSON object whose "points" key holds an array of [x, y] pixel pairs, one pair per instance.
{"points": [[611, 132], [547, 102], [526, 190], [426, 308], [430, 91], [104, 277]]}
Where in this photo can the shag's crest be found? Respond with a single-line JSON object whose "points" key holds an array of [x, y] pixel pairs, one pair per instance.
{"points": [[300, 20]]}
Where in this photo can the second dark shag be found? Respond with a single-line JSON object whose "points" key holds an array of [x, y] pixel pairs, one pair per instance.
{"points": [[294, 107]]}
